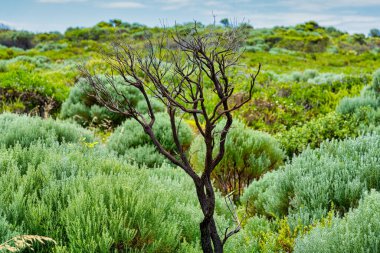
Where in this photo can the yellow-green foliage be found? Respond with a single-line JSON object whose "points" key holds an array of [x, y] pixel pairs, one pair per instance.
{"points": [[314, 132]]}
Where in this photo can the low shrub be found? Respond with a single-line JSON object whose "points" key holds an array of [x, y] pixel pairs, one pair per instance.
{"points": [[350, 105], [314, 132], [358, 231], [130, 140], [248, 155], [24, 130], [337, 173], [89, 200]]}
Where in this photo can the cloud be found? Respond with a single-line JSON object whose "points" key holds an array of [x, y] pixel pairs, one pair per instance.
{"points": [[167, 5], [60, 1], [123, 5], [326, 4]]}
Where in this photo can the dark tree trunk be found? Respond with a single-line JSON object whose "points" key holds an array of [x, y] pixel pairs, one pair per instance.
{"points": [[210, 239]]}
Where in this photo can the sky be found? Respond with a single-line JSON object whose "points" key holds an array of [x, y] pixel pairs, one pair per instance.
{"points": [[353, 16]]}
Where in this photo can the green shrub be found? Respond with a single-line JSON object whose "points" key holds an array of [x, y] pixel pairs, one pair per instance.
{"points": [[337, 173], [25, 81], [130, 140], [358, 231], [248, 155], [85, 110], [28, 130], [314, 132], [89, 200], [250, 238]]}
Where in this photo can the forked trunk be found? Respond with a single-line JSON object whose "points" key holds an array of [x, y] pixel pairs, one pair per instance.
{"points": [[210, 239]]}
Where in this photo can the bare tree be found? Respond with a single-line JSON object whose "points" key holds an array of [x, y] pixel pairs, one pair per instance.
{"points": [[190, 75]]}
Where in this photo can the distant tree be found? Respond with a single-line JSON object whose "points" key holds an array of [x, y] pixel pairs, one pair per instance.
{"points": [[225, 22], [190, 75], [116, 22], [374, 32], [103, 24], [21, 39], [359, 38]]}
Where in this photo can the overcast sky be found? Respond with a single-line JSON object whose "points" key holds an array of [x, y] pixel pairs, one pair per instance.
{"points": [[57, 15]]}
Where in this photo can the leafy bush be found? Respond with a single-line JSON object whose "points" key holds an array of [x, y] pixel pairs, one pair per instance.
{"points": [[248, 155], [87, 199], [314, 132], [85, 110], [129, 139], [26, 130], [22, 81], [338, 172], [358, 231]]}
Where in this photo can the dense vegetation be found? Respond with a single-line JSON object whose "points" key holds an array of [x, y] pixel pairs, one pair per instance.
{"points": [[302, 158]]}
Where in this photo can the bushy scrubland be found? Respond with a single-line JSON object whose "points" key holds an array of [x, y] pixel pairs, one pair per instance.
{"points": [[89, 200], [304, 154]]}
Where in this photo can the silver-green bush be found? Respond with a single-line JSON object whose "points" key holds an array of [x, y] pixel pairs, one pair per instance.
{"points": [[357, 232], [26, 130], [338, 173], [89, 200]]}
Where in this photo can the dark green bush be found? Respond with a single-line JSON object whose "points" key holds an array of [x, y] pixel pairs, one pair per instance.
{"points": [[357, 232], [337, 173], [26, 130], [248, 155], [130, 140], [21, 39], [85, 110], [90, 201]]}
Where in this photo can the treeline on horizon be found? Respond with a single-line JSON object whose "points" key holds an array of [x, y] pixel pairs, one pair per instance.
{"points": [[307, 37]]}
